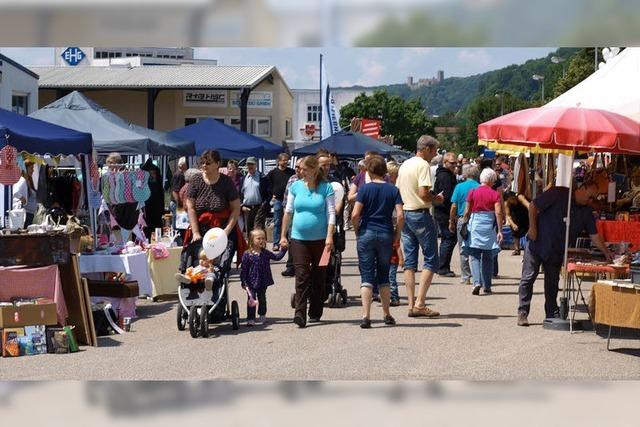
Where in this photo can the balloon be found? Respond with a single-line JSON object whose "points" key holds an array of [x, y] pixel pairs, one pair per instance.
{"points": [[214, 243], [600, 65], [606, 53], [338, 189], [615, 51]]}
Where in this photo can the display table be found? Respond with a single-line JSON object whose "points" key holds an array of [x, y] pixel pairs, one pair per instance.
{"points": [[615, 306], [41, 282], [620, 231], [163, 272], [576, 271], [135, 265]]}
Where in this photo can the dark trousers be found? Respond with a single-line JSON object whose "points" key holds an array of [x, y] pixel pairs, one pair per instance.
{"points": [[447, 245], [261, 296], [310, 278], [254, 218], [530, 268]]}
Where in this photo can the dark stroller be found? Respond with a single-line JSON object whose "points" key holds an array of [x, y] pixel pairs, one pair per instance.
{"points": [[198, 307]]}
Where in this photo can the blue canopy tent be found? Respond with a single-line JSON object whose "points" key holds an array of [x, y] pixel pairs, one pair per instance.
{"points": [[110, 132], [232, 143], [349, 144], [38, 137]]}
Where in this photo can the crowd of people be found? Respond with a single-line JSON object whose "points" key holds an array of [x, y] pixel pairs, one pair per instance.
{"points": [[396, 211]]}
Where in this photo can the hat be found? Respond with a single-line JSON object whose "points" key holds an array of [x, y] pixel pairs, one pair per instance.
{"points": [[252, 160]]}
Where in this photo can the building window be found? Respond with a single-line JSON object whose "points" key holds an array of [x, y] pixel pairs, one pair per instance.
{"points": [[20, 104], [190, 121], [287, 128], [313, 113], [261, 127], [118, 54]]}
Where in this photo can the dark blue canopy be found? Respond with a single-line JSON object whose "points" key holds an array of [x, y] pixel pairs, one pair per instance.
{"points": [[35, 136], [348, 144], [210, 134]]}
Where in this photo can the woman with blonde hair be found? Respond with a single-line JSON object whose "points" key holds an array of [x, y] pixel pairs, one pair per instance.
{"points": [[313, 202]]}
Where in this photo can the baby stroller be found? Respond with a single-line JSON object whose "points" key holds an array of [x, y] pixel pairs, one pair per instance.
{"points": [[336, 294], [198, 307]]}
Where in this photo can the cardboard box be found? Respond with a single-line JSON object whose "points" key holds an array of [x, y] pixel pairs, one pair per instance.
{"points": [[27, 315]]}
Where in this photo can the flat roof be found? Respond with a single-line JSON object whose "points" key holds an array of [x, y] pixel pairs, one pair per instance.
{"points": [[184, 76], [18, 66]]}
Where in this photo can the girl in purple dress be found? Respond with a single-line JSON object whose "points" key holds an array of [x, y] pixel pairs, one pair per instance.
{"points": [[255, 275]]}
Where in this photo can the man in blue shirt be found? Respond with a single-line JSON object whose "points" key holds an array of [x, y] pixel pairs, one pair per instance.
{"points": [[471, 174], [547, 214], [254, 191]]}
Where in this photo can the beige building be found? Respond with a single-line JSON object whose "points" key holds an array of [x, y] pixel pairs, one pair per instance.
{"points": [[173, 96]]}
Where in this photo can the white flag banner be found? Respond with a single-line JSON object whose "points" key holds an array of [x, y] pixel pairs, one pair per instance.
{"points": [[330, 115]]}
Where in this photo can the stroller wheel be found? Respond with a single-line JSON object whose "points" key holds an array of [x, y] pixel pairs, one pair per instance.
{"points": [[194, 321], [181, 317], [293, 300], [343, 295], [204, 321], [235, 315]]}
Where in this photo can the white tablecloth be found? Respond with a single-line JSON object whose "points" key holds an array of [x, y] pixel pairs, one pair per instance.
{"points": [[135, 266]]}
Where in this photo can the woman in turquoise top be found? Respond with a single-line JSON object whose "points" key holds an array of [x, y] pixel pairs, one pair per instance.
{"points": [[312, 201]]}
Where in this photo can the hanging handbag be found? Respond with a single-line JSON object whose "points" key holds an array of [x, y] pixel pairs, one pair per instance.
{"points": [[9, 170], [141, 190]]}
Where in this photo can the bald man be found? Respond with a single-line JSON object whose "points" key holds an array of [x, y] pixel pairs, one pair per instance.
{"points": [[446, 181]]}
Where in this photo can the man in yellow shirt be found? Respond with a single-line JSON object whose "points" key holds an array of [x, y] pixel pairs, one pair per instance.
{"points": [[414, 183]]}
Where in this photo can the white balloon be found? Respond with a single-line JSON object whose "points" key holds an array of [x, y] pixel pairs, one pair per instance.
{"points": [[600, 65], [338, 189], [615, 51], [214, 243]]}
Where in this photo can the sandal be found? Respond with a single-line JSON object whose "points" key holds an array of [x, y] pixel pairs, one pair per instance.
{"points": [[366, 323], [389, 320]]}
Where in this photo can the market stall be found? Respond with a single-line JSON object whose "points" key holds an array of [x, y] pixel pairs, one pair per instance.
{"points": [[563, 131]]}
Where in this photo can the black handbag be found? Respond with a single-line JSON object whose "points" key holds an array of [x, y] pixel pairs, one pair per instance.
{"points": [[464, 230]]}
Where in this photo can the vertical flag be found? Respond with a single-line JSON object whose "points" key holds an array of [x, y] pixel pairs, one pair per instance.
{"points": [[330, 115]]}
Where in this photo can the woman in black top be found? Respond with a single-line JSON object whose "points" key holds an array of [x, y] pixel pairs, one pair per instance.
{"points": [[517, 213]]}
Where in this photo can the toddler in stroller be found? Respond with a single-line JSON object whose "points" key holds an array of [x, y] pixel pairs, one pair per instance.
{"points": [[203, 290]]}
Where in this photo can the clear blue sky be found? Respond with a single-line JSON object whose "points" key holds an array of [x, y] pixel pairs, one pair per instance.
{"points": [[346, 66]]}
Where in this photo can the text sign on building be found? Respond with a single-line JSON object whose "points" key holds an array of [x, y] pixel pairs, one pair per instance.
{"points": [[205, 98], [256, 99], [73, 55]]}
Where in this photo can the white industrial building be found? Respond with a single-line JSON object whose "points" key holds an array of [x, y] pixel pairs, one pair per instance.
{"points": [[18, 87]]}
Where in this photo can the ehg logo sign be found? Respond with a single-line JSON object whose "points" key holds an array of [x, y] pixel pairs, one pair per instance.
{"points": [[73, 55]]}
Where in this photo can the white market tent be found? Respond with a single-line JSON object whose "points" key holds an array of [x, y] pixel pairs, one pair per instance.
{"points": [[614, 87]]}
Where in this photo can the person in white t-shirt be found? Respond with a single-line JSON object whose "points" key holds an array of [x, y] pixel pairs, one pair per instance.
{"points": [[25, 192]]}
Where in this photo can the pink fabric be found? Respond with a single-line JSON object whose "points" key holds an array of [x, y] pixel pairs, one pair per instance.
{"points": [[34, 283], [483, 199]]}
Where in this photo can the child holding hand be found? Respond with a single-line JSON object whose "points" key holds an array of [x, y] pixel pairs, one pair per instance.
{"points": [[255, 274]]}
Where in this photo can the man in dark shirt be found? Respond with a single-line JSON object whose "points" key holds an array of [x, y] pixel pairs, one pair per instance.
{"points": [[278, 179], [446, 181], [177, 182], [546, 234]]}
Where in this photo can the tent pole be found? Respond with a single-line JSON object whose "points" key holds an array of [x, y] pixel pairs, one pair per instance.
{"points": [[566, 291]]}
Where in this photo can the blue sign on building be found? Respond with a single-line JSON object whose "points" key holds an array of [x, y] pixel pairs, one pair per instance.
{"points": [[73, 55]]}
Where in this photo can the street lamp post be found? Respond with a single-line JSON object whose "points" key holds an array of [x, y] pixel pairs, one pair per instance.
{"points": [[540, 78], [501, 96], [558, 60]]}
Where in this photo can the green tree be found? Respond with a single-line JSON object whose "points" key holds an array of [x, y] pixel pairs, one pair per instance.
{"points": [[580, 67], [405, 120]]}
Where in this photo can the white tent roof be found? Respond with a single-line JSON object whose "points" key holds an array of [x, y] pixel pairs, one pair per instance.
{"points": [[614, 87]]}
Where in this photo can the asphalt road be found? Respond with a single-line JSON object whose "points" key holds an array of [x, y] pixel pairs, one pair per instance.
{"points": [[475, 338]]}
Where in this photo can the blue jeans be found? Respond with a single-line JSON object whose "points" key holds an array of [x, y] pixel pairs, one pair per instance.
{"points": [[482, 266], [277, 221], [465, 267], [393, 282], [374, 254], [419, 231]]}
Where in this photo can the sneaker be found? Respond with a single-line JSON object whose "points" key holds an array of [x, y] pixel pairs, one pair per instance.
{"points": [[366, 323], [394, 303], [181, 278], [289, 272], [476, 290], [251, 322], [487, 291], [423, 312], [208, 283], [314, 319], [389, 320], [299, 320], [262, 319], [522, 319]]}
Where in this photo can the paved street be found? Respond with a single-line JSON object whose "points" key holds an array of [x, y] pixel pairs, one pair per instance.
{"points": [[476, 338]]}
